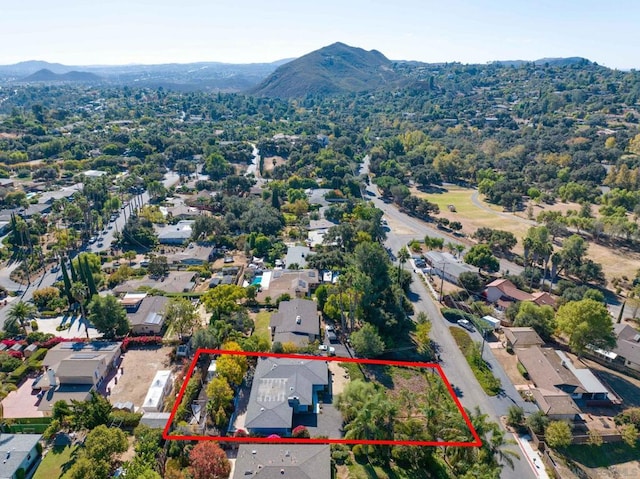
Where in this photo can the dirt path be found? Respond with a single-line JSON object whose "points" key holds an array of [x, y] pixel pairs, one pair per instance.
{"points": [[339, 377]]}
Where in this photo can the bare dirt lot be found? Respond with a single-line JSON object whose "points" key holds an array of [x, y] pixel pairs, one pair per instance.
{"points": [[339, 377], [140, 366]]}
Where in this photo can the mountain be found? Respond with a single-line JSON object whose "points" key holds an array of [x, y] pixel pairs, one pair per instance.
{"points": [[214, 76], [334, 69], [47, 76], [554, 62]]}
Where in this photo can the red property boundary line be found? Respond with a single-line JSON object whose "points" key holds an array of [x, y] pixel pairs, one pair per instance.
{"points": [[165, 433]]}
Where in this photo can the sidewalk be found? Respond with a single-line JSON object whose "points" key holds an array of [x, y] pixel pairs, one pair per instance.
{"points": [[532, 456]]}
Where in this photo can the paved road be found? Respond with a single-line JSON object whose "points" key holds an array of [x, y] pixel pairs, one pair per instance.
{"points": [[453, 362]]}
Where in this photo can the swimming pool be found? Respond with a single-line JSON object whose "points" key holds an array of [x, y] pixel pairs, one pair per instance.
{"points": [[257, 281]]}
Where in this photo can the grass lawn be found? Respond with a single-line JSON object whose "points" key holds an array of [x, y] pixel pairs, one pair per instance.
{"points": [[490, 384], [261, 322], [56, 463], [615, 263], [601, 456]]}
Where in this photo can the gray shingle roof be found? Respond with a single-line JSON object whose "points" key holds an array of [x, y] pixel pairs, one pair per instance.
{"points": [[285, 461], [286, 319], [274, 381], [14, 448]]}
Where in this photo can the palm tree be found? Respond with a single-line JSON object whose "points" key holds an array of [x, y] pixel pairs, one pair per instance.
{"points": [[403, 257], [18, 315]]}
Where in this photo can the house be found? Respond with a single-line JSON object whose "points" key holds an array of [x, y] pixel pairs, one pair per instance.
{"points": [[6, 183], [627, 350], [560, 387], [29, 350], [296, 283], [281, 389], [317, 231], [522, 337], [297, 255], [503, 292], [158, 391], [271, 461], [20, 455], [447, 266], [94, 173], [62, 193], [174, 282], [194, 254], [177, 208], [145, 313], [73, 370], [179, 233], [296, 321]]}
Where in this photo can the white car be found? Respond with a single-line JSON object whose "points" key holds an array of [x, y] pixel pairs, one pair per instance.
{"points": [[330, 350], [466, 325]]}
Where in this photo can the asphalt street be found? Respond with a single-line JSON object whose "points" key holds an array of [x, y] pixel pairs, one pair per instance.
{"points": [[402, 229]]}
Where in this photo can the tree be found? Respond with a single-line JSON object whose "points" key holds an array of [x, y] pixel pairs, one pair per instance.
{"points": [[481, 257], [629, 434], [85, 468], [540, 318], [423, 329], [108, 316], [538, 422], [158, 266], [44, 296], [515, 416], [367, 342], [103, 443], [208, 461], [471, 281], [230, 370], [223, 300], [181, 314], [558, 434], [219, 393], [403, 257], [18, 315], [587, 323]]}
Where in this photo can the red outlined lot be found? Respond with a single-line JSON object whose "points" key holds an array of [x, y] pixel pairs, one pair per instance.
{"points": [[288, 440]]}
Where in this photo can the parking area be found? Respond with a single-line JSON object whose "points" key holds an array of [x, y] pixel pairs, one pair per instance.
{"points": [[74, 327], [137, 370], [21, 403]]}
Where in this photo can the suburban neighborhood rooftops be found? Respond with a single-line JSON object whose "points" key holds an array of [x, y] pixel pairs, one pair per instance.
{"points": [[628, 345], [155, 420], [290, 461], [66, 393]]}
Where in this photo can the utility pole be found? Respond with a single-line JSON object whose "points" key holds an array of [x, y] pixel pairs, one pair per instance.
{"points": [[444, 265]]}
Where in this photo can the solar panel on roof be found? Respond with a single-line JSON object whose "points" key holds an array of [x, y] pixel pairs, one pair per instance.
{"points": [[84, 356]]}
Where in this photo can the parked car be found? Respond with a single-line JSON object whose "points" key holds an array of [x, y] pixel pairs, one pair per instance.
{"points": [[330, 350], [464, 323]]}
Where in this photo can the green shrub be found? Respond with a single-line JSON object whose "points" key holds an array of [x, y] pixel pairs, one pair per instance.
{"points": [[125, 419], [8, 363], [523, 370]]}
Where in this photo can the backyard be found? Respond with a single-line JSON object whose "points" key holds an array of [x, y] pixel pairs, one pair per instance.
{"points": [[56, 462]]}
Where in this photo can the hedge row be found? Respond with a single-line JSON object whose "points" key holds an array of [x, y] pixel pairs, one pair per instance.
{"points": [[125, 419], [33, 363], [132, 341]]}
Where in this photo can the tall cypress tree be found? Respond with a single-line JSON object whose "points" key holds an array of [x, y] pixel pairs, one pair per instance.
{"points": [[67, 283], [91, 284], [74, 276]]}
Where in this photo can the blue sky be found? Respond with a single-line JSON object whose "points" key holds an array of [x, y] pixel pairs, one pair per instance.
{"points": [[89, 32]]}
